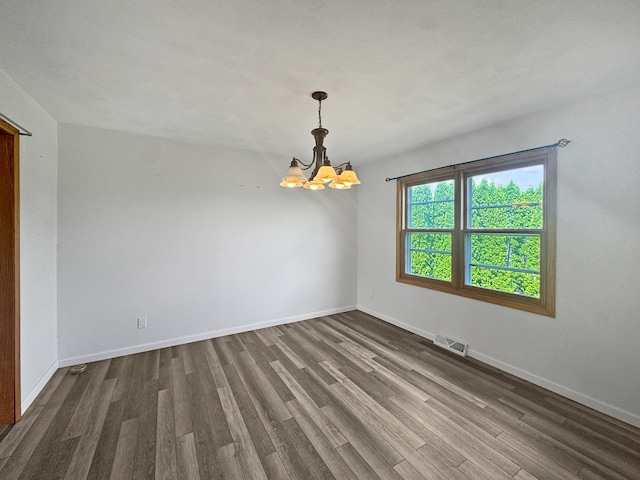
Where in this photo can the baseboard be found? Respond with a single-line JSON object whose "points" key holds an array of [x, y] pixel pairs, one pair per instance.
{"points": [[172, 342], [28, 400], [398, 323], [620, 414], [586, 400]]}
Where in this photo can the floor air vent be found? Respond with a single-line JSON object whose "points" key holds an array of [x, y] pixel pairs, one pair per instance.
{"points": [[451, 344]]}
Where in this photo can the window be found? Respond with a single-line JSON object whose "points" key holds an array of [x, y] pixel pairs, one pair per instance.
{"points": [[483, 229]]}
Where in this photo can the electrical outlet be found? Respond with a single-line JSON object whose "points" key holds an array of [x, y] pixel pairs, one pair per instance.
{"points": [[142, 322]]}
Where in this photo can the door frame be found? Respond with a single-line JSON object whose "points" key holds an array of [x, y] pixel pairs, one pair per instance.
{"points": [[10, 403]]}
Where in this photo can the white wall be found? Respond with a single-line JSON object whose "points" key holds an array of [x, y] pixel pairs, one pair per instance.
{"points": [[149, 227], [589, 352], [38, 164]]}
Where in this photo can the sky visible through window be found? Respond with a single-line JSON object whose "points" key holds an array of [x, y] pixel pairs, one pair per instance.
{"points": [[523, 177]]}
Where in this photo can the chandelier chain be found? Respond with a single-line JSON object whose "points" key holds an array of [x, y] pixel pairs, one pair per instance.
{"points": [[319, 114]]}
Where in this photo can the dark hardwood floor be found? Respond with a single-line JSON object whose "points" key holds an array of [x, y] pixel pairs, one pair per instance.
{"points": [[345, 396]]}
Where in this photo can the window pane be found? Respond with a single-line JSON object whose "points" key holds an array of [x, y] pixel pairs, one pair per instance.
{"points": [[507, 199], [431, 205], [429, 255], [507, 263]]}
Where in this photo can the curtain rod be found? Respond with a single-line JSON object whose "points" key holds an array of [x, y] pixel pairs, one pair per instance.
{"points": [[22, 130], [563, 142]]}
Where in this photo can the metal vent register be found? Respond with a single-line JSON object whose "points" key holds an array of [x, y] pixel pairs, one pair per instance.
{"points": [[451, 344]]}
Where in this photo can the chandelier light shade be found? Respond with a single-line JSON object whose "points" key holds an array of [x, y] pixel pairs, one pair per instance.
{"points": [[348, 176], [326, 173], [314, 185], [337, 184], [341, 177], [293, 177]]}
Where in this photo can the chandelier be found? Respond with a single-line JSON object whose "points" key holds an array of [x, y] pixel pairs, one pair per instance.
{"points": [[342, 177]]}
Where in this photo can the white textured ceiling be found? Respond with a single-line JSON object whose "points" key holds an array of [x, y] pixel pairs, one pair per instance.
{"points": [[240, 72]]}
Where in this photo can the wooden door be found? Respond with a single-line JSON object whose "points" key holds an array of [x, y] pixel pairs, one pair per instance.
{"points": [[9, 275]]}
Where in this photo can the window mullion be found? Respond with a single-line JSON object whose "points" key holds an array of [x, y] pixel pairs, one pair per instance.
{"points": [[457, 241]]}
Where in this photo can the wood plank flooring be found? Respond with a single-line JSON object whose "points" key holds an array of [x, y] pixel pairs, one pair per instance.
{"points": [[345, 396], [4, 430]]}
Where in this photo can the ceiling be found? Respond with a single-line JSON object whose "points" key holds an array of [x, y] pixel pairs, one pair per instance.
{"points": [[240, 72]]}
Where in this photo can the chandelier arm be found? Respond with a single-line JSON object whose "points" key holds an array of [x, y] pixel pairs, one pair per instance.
{"points": [[305, 165], [339, 168], [341, 165]]}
